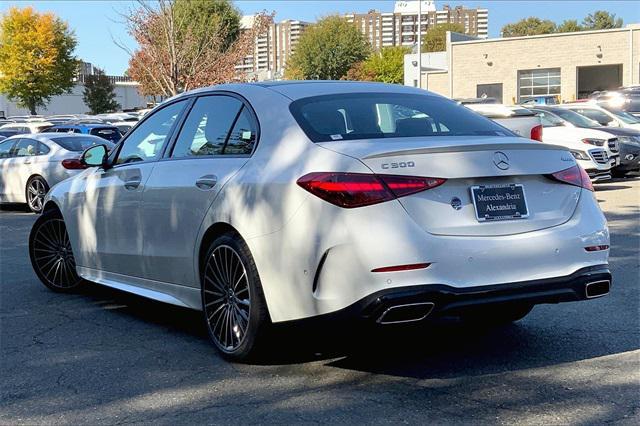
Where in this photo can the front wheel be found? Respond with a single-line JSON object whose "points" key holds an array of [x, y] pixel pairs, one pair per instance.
{"points": [[51, 255], [233, 303], [36, 190]]}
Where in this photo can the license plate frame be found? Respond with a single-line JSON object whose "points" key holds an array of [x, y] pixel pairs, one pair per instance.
{"points": [[495, 190]]}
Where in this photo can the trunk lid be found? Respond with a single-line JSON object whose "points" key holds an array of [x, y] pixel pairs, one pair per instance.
{"points": [[466, 162]]}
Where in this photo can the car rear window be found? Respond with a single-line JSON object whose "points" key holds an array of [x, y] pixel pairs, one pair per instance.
{"points": [[388, 115], [109, 133], [80, 143]]}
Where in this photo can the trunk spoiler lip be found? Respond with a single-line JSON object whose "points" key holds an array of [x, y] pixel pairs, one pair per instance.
{"points": [[468, 148]]}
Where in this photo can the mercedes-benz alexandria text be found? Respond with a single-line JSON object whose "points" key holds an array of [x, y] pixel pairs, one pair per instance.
{"points": [[377, 204]]}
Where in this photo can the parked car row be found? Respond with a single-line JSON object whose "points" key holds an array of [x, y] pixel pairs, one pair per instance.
{"points": [[626, 99], [605, 141], [37, 152], [118, 123]]}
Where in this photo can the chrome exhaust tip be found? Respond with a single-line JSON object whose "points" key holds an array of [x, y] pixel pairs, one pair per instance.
{"points": [[410, 312], [597, 288]]}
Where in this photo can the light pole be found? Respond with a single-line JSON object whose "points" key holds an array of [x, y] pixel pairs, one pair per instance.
{"points": [[420, 44]]}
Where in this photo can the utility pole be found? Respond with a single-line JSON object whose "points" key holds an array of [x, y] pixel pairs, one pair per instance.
{"points": [[420, 44]]}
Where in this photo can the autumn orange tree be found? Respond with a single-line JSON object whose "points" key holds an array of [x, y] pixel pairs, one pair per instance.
{"points": [[186, 44], [36, 57]]}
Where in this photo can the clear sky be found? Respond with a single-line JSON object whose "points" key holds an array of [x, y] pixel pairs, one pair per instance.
{"points": [[97, 23]]}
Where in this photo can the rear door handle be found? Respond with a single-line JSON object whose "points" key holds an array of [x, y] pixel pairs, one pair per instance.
{"points": [[133, 183], [207, 182]]}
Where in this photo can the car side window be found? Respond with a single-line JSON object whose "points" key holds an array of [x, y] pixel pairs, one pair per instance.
{"points": [[5, 148], [207, 127], [43, 149], [596, 115], [146, 141], [25, 148], [243, 135]]}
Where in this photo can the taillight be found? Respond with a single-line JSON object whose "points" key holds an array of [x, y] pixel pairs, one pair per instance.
{"points": [[536, 133], [575, 175], [73, 164], [350, 190]]}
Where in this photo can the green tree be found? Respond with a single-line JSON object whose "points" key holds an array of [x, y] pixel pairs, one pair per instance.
{"points": [[99, 94], [201, 17], [185, 44], [435, 40], [36, 57], [358, 72], [528, 27], [601, 20], [387, 65], [327, 50], [569, 26]]}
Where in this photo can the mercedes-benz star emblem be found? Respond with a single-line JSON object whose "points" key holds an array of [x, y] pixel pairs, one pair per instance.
{"points": [[501, 160], [456, 203]]}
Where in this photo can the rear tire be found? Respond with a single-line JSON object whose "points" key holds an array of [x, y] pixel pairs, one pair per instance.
{"points": [[51, 255], [35, 192], [496, 315], [235, 311]]}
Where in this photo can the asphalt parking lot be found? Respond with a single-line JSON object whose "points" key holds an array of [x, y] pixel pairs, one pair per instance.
{"points": [[103, 357]]}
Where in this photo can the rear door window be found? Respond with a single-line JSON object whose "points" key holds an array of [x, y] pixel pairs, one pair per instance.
{"points": [[42, 149], [206, 129], [243, 135], [25, 148]]}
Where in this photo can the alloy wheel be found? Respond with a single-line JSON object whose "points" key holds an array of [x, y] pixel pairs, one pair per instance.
{"points": [[52, 255], [226, 298], [36, 191]]}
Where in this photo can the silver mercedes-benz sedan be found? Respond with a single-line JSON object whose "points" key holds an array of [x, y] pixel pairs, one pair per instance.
{"points": [[369, 203], [32, 163]]}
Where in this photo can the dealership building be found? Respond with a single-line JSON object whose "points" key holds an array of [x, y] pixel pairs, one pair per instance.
{"points": [[512, 70]]}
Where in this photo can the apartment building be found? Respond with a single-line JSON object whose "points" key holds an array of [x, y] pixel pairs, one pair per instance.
{"points": [[400, 27], [271, 49]]}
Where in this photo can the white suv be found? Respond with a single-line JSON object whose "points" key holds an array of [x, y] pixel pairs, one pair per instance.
{"points": [[596, 151]]}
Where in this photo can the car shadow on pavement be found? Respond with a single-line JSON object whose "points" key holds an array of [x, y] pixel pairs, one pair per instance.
{"points": [[599, 188], [105, 353]]}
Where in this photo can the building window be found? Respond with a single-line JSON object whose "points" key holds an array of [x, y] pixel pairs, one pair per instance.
{"points": [[538, 82]]}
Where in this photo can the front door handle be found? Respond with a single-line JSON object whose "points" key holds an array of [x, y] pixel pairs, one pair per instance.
{"points": [[207, 182], [133, 183]]}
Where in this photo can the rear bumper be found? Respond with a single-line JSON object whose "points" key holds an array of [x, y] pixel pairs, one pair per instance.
{"points": [[451, 301]]}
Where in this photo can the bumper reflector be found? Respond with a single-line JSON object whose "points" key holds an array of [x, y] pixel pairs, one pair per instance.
{"points": [[402, 267], [597, 248]]}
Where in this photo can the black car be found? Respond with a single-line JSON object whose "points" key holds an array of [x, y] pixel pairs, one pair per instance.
{"points": [[628, 139]]}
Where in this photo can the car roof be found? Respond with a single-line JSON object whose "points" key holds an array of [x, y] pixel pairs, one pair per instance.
{"points": [[298, 89]]}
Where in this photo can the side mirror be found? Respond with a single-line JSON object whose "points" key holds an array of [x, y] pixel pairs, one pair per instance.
{"points": [[94, 156]]}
